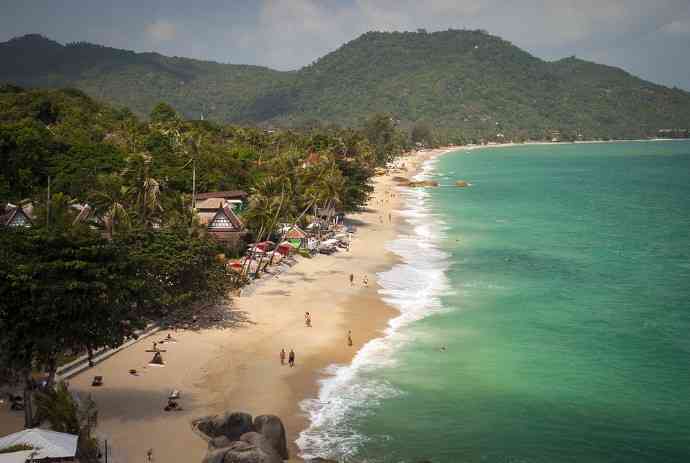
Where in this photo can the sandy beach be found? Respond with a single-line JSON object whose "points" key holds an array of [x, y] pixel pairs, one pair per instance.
{"points": [[237, 368]]}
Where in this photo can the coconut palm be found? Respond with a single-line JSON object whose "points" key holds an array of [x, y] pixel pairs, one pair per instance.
{"points": [[111, 204], [144, 190]]}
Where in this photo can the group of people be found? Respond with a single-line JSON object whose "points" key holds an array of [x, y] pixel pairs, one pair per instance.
{"points": [[291, 357]]}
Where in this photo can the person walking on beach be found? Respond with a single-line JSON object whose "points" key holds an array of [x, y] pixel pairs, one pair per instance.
{"points": [[352, 279], [349, 338], [365, 281], [307, 319], [282, 356], [291, 358]]}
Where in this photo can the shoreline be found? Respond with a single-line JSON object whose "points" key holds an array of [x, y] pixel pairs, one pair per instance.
{"points": [[237, 368]]}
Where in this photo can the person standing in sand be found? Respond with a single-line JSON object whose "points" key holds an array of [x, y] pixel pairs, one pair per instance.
{"points": [[307, 319], [282, 356], [291, 358], [352, 279], [349, 338], [365, 281]]}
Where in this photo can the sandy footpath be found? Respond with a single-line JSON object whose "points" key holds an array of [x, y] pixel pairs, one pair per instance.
{"points": [[237, 368]]}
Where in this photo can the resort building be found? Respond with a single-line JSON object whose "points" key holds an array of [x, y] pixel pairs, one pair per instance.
{"points": [[217, 211], [236, 198], [15, 216]]}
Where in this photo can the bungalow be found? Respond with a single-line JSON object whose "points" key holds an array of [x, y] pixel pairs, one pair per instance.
{"points": [[16, 216], [237, 198], [218, 216]]}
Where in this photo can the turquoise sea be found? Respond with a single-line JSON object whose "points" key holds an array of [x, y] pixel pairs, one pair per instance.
{"points": [[559, 285]]}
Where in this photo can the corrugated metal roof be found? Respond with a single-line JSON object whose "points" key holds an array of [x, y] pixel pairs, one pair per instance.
{"points": [[16, 457], [49, 444]]}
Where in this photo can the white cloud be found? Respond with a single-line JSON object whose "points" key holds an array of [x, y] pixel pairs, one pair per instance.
{"points": [[161, 30]]}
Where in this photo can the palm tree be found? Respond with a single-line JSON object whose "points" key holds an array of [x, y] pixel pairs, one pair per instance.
{"points": [[144, 190], [59, 409], [111, 203], [268, 199]]}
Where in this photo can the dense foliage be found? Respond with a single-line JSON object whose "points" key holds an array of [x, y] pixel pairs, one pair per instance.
{"points": [[468, 85], [111, 159], [83, 278], [115, 243]]}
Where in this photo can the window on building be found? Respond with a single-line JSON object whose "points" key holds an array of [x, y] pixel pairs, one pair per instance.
{"points": [[19, 220], [221, 221]]}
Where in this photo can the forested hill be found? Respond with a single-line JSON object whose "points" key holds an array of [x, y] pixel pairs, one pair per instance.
{"points": [[460, 82]]}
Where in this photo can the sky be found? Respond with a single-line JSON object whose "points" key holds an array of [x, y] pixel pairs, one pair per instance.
{"points": [[648, 38]]}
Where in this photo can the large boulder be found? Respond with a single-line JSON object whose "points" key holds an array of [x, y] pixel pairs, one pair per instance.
{"points": [[219, 443], [230, 425], [271, 427], [251, 448]]}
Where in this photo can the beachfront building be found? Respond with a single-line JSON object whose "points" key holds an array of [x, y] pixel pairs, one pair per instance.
{"points": [[329, 216], [216, 211], [297, 236], [14, 216], [45, 446], [236, 199]]}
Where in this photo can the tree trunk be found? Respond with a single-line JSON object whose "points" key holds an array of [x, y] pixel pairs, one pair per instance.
{"points": [[52, 371], [271, 227], [28, 392]]}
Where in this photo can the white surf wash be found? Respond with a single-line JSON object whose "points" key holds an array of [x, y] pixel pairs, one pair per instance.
{"points": [[413, 287]]}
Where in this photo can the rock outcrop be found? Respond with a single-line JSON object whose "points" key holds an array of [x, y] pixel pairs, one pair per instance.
{"points": [[237, 438], [230, 425], [423, 184], [271, 427]]}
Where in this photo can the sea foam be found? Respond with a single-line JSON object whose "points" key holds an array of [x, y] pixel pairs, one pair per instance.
{"points": [[413, 286]]}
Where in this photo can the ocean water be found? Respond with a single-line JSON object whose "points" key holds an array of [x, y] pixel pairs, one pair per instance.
{"points": [[559, 285]]}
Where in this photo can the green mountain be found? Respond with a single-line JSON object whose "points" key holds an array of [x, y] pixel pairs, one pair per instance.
{"points": [[460, 82]]}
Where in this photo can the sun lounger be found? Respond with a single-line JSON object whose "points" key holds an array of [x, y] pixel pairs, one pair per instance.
{"points": [[175, 394]]}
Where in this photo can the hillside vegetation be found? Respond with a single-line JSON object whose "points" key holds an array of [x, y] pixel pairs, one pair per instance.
{"points": [[465, 84]]}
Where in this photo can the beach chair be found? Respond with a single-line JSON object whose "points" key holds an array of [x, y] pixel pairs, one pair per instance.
{"points": [[174, 395]]}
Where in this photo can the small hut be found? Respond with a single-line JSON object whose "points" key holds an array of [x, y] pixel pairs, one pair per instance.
{"points": [[220, 219], [297, 236], [14, 216]]}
